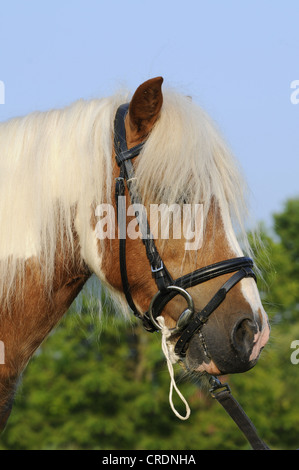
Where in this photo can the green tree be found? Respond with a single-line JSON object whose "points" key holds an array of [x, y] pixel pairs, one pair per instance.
{"points": [[287, 228], [279, 262], [104, 385], [273, 383]]}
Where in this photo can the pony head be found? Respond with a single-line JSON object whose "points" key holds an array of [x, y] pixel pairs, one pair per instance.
{"points": [[184, 163]]}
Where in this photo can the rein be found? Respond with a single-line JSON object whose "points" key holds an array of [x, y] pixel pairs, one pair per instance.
{"points": [[189, 322]]}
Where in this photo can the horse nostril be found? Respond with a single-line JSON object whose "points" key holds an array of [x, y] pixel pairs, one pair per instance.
{"points": [[243, 337]]}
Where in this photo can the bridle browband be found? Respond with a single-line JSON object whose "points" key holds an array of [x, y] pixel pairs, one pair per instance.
{"points": [[189, 322]]}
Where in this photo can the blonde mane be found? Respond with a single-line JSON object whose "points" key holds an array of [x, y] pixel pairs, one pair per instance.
{"points": [[51, 162], [185, 159], [57, 161]]}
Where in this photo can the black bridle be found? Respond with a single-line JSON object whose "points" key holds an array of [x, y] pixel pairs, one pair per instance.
{"points": [[189, 322]]}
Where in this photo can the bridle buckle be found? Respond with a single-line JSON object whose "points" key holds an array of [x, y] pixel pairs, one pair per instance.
{"points": [[156, 270]]}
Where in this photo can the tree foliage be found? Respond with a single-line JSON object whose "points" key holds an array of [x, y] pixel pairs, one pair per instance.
{"points": [[102, 383]]}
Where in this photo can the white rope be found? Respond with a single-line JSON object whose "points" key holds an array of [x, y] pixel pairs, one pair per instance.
{"points": [[170, 359]]}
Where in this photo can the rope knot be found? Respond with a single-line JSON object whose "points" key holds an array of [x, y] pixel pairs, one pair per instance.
{"points": [[171, 358]]}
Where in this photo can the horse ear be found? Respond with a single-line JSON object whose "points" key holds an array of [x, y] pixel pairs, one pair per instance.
{"points": [[145, 106]]}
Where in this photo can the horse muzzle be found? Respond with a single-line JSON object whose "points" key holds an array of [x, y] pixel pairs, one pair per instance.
{"points": [[228, 347]]}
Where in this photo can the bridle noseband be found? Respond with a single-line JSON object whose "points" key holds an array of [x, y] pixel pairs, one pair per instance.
{"points": [[189, 322]]}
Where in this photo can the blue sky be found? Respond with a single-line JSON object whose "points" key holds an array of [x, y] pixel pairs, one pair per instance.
{"points": [[237, 58]]}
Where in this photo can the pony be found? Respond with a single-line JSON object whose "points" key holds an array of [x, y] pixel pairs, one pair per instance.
{"points": [[58, 167]]}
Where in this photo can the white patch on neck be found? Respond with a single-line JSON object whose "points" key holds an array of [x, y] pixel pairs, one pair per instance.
{"points": [[248, 285], [89, 244]]}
